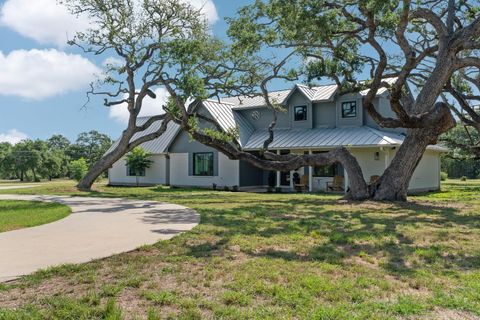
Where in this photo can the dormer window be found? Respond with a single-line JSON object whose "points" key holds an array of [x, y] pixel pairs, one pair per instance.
{"points": [[349, 109], [300, 113]]}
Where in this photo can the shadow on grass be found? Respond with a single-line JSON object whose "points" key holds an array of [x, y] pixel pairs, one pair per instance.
{"points": [[347, 232], [324, 229]]}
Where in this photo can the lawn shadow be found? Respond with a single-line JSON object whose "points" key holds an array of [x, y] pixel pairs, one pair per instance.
{"points": [[350, 229]]}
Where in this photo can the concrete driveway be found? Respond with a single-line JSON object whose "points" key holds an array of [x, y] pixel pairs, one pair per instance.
{"points": [[18, 186], [97, 228]]}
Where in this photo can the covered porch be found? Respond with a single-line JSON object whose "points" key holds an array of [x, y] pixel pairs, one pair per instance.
{"points": [[330, 178], [373, 149]]}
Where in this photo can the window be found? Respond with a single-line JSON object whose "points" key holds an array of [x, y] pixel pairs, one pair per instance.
{"points": [[323, 171], [131, 172], [203, 164], [349, 109], [300, 113]]}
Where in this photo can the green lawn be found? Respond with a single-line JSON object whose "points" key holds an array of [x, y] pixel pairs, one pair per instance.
{"points": [[276, 256], [23, 214]]}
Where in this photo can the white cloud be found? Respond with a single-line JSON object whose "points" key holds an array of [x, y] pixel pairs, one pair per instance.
{"points": [[48, 22], [38, 74], [208, 9], [44, 21], [13, 136], [150, 107], [113, 61]]}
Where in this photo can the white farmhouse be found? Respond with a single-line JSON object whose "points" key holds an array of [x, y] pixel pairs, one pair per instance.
{"points": [[317, 119]]}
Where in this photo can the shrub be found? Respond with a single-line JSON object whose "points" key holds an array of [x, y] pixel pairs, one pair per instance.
{"points": [[78, 169], [443, 176], [463, 178]]}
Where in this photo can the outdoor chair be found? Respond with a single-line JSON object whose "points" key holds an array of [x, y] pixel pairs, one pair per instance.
{"points": [[336, 184], [303, 183]]}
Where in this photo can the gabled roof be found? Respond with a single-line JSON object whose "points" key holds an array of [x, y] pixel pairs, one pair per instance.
{"points": [[245, 102], [318, 93], [321, 93], [228, 119], [325, 138], [156, 146], [382, 90]]}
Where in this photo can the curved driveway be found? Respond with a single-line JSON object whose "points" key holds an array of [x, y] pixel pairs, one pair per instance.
{"points": [[97, 228]]}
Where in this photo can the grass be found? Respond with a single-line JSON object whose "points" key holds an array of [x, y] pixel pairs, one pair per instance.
{"points": [[275, 256], [23, 214]]}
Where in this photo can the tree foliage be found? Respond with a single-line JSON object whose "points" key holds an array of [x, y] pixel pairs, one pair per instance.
{"points": [[49, 159], [138, 161], [166, 43], [78, 169], [463, 158], [160, 44]]}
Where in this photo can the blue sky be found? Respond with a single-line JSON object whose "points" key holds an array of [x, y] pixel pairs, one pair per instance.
{"points": [[32, 37]]}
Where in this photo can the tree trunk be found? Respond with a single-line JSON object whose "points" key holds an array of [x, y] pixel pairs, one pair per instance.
{"points": [[102, 165], [393, 185]]}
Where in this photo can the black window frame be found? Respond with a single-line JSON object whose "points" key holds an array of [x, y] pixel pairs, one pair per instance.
{"points": [[305, 113], [211, 168], [350, 114], [328, 171], [143, 173]]}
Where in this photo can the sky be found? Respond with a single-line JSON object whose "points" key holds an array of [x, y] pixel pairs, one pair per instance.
{"points": [[43, 81]]}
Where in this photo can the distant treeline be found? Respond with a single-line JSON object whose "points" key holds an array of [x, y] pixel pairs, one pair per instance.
{"points": [[461, 161], [32, 160]]}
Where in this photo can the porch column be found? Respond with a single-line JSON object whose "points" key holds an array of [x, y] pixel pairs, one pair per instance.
{"points": [[310, 176], [345, 187], [291, 179], [278, 174], [292, 187], [387, 157]]}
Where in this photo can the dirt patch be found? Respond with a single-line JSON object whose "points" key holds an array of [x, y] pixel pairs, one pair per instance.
{"points": [[445, 314]]}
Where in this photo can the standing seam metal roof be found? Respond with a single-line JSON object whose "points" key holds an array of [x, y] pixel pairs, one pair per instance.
{"points": [[325, 138], [228, 119], [156, 146]]}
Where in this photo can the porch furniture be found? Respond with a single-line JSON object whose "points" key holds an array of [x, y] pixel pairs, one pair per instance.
{"points": [[336, 184], [303, 183]]}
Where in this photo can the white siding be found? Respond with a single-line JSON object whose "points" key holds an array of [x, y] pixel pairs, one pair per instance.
{"points": [[228, 172], [425, 178], [366, 159], [156, 174], [427, 174]]}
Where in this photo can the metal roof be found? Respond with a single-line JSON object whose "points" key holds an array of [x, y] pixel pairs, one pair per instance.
{"points": [[156, 146], [228, 119], [245, 102], [325, 138], [319, 93], [382, 90], [314, 94]]}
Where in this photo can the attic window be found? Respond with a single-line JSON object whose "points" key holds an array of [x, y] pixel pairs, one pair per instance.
{"points": [[349, 109], [300, 113]]}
